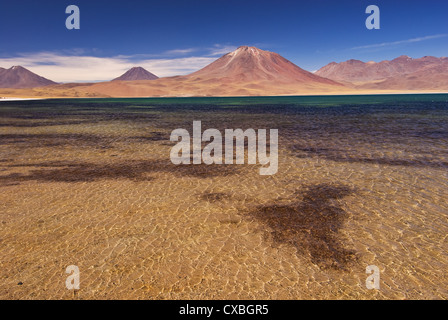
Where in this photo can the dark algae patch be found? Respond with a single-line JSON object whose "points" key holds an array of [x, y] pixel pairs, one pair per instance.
{"points": [[135, 170], [214, 196], [311, 225]]}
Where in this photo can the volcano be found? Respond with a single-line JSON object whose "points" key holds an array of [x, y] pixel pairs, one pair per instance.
{"points": [[247, 64], [136, 73], [19, 77]]}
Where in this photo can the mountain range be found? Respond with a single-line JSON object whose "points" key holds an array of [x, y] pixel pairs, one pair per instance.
{"points": [[249, 71], [425, 73]]}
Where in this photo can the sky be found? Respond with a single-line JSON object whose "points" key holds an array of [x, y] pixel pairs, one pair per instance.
{"points": [[178, 37]]}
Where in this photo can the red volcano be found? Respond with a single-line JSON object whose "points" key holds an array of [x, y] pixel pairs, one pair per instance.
{"points": [[247, 64], [137, 73]]}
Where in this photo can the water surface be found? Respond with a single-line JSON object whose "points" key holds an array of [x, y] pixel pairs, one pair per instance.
{"points": [[362, 180]]}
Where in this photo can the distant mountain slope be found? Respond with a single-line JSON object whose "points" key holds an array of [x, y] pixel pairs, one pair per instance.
{"points": [[137, 73], [402, 73], [19, 77]]}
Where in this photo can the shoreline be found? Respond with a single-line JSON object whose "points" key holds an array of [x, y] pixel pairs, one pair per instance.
{"points": [[366, 93], [19, 99]]}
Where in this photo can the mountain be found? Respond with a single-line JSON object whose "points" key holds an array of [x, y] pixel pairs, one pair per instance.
{"points": [[247, 64], [402, 73], [19, 77], [137, 73], [247, 71]]}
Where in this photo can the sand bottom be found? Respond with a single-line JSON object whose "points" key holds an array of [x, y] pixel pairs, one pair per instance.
{"points": [[99, 192]]}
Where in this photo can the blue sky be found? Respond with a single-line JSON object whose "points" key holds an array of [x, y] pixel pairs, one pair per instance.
{"points": [[178, 37]]}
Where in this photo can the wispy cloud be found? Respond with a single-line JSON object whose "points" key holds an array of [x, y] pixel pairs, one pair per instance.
{"points": [[219, 50], [394, 43], [78, 68], [180, 51], [215, 50]]}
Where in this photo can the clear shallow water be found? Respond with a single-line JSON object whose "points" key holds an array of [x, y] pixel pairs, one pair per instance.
{"points": [[362, 180]]}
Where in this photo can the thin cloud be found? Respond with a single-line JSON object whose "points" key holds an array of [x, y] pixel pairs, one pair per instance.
{"points": [[394, 43], [180, 51], [169, 53], [219, 50], [216, 50]]}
